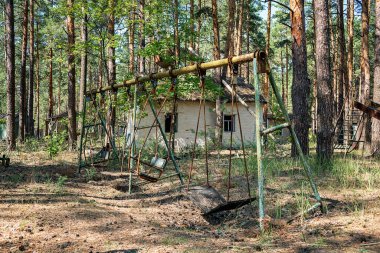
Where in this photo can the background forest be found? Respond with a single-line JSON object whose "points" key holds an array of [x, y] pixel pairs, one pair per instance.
{"points": [[65, 47]]}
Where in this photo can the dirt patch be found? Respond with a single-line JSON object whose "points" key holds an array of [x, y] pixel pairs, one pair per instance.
{"points": [[86, 215]]}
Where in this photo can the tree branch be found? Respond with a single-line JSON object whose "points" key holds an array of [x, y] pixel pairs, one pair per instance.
{"points": [[281, 4]]}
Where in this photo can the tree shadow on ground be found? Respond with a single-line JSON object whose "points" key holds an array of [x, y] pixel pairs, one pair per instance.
{"points": [[122, 251]]}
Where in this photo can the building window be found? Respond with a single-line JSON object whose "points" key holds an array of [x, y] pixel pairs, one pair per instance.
{"points": [[229, 123], [168, 120]]}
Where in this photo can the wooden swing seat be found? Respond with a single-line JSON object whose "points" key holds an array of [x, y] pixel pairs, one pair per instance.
{"points": [[148, 178], [156, 163], [209, 200]]}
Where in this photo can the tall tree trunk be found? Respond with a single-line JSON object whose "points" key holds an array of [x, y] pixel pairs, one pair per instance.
{"points": [[282, 77], [342, 66], [365, 71], [324, 93], [111, 114], [10, 67], [286, 77], [239, 29], [266, 83], [71, 75], [30, 127], [192, 28], [217, 73], [142, 36], [376, 86], [229, 47], [131, 39], [38, 82], [301, 82], [83, 63], [199, 27], [315, 100], [333, 58], [350, 65], [59, 84], [247, 28], [176, 33], [51, 100], [350, 41], [23, 107]]}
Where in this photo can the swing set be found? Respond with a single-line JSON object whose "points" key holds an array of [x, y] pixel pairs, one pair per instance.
{"points": [[154, 168]]}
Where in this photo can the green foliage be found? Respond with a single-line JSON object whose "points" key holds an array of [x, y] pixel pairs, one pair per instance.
{"points": [[59, 184], [55, 143], [90, 174], [32, 144]]}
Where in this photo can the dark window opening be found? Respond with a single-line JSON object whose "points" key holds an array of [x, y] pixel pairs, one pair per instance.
{"points": [[229, 123], [168, 122]]}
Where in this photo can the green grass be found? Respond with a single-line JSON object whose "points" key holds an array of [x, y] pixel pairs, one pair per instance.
{"points": [[174, 240]]}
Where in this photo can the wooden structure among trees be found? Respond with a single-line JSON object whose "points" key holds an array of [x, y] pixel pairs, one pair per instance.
{"points": [[260, 65]]}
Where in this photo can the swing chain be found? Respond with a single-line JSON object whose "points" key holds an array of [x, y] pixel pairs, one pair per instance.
{"points": [[154, 84], [202, 75]]}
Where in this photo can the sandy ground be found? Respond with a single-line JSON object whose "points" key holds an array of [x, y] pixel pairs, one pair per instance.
{"points": [[39, 215]]}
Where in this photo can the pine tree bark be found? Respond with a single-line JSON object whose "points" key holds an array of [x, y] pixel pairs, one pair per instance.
{"points": [[71, 76], [23, 107], [199, 27], [111, 114], [286, 77], [10, 72], [376, 86], [229, 47], [217, 73], [30, 127], [83, 63], [239, 28], [131, 39], [247, 28], [192, 24], [59, 84], [350, 41], [266, 82], [342, 66], [51, 99], [324, 90], [350, 65], [365, 72], [176, 33], [38, 114], [301, 82], [142, 60]]}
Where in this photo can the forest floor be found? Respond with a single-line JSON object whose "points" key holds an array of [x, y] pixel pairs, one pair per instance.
{"points": [[46, 207]]}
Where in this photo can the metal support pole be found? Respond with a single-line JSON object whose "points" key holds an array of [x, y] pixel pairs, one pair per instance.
{"points": [[132, 149], [295, 139], [259, 127], [171, 155]]}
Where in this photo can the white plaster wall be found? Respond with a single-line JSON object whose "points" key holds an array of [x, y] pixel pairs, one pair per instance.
{"points": [[247, 125], [187, 121]]}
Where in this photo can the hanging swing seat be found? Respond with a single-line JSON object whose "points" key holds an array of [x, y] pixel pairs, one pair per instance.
{"points": [[157, 164], [209, 200]]}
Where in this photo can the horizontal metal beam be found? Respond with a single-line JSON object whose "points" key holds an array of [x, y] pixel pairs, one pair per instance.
{"points": [[275, 128], [260, 56]]}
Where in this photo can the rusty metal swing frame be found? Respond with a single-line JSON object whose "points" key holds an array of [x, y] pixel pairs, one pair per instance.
{"points": [[260, 66]]}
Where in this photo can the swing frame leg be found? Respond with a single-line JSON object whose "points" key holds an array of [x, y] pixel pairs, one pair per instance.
{"points": [[259, 127], [295, 140], [170, 151], [259, 143]]}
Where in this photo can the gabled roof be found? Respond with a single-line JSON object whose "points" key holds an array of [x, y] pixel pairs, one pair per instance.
{"points": [[245, 90]]}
